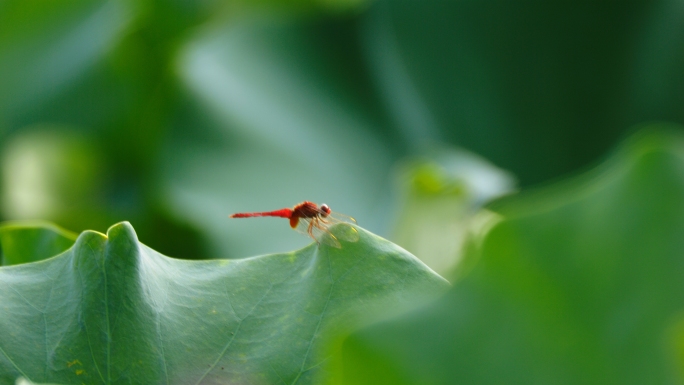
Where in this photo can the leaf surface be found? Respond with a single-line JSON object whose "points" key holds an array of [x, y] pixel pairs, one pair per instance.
{"points": [[110, 310]]}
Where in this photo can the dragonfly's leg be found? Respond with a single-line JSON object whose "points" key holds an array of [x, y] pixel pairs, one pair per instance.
{"points": [[325, 229], [310, 230], [329, 237]]}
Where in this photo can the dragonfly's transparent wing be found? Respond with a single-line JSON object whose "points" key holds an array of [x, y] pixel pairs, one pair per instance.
{"points": [[326, 237], [341, 225], [336, 217], [343, 230]]}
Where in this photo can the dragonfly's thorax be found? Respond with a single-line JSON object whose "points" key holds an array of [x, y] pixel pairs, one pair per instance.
{"points": [[306, 210]]}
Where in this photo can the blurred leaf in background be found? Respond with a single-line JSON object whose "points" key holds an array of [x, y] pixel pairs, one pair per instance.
{"points": [[298, 124], [442, 194], [46, 48], [86, 98], [55, 172], [580, 283], [538, 89], [23, 242], [192, 110]]}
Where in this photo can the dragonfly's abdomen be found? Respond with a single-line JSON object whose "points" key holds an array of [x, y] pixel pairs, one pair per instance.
{"points": [[282, 213]]}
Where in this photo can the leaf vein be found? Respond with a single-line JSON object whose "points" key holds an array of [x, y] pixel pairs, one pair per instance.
{"points": [[85, 326], [237, 329], [318, 325], [14, 364]]}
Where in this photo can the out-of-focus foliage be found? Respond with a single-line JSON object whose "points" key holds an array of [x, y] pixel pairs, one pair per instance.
{"points": [[112, 310], [581, 282], [85, 104], [298, 125], [172, 114], [539, 89], [30, 242], [443, 191]]}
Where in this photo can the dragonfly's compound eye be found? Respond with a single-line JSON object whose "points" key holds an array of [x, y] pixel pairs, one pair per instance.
{"points": [[325, 209]]}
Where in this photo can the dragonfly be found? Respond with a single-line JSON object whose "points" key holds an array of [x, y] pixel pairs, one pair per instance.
{"points": [[314, 221]]}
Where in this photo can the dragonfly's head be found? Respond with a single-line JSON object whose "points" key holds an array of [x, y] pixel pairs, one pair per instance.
{"points": [[325, 210]]}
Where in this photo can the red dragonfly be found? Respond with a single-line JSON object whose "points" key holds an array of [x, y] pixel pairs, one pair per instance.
{"points": [[309, 218]]}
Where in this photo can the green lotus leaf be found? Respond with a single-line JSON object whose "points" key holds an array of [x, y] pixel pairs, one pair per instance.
{"points": [[111, 310]]}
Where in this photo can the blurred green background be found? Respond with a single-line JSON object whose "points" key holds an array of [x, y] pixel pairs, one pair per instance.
{"points": [[408, 115], [173, 114]]}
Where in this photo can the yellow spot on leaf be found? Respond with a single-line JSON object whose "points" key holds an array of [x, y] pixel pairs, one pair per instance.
{"points": [[79, 372], [74, 362]]}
